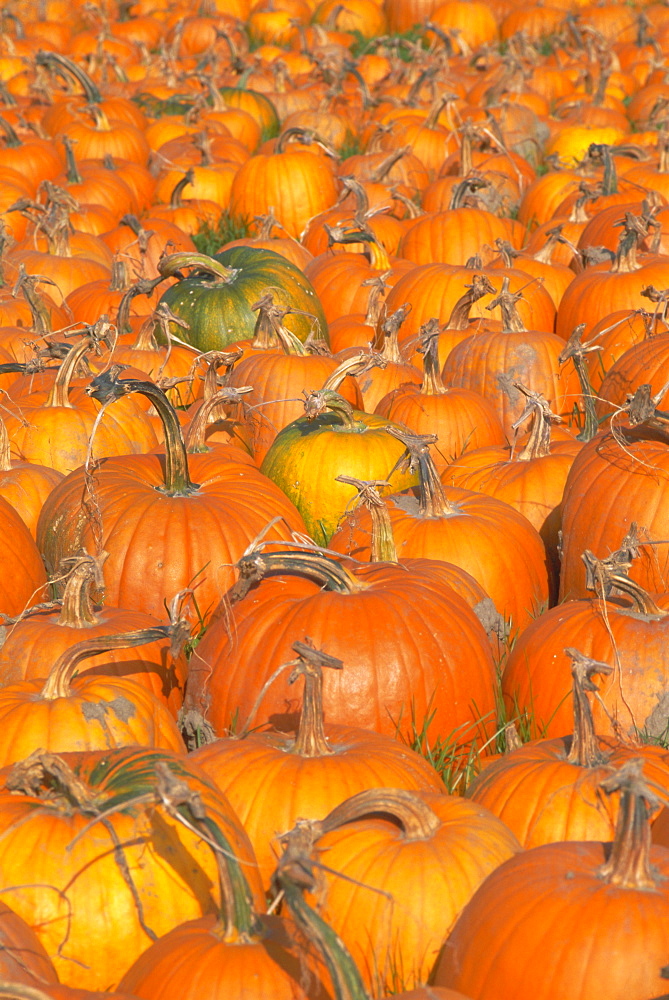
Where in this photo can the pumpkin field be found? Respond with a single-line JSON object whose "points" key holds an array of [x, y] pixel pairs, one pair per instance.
{"points": [[334, 500]]}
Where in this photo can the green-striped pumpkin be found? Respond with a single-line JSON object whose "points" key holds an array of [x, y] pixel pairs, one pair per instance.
{"points": [[216, 296]]}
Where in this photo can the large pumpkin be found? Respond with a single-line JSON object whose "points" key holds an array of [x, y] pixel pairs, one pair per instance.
{"points": [[430, 663], [97, 865]]}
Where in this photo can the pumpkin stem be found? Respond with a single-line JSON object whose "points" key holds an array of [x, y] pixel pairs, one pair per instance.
{"points": [[171, 266], [576, 350], [628, 865], [384, 168], [84, 573], [5, 449], [293, 875], [59, 395], [480, 286], [432, 499], [539, 442], [415, 817], [305, 136], [383, 539], [211, 410], [603, 576], [635, 229], [506, 300], [57, 684], [584, 749], [238, 917], [213, 360], [356, 365], [553, 237], [330, 574], [377, 285], [311, 740], [144, 286], [641, 408], [321, 400], [432, 384], [464, 193], [107, 387], [21, 991], [12, 140], [361, 233], [71, 169], [179, 187], [386, 341], [48, 776], [27, 285], [601, 153], [269, 329], [66, 68]]}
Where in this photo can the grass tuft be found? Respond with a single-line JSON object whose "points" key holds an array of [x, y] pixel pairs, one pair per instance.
{"points": [[209, 239]]}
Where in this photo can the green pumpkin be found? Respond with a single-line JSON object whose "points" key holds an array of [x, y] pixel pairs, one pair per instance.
{"points": [[215, 298], [308, 455]]}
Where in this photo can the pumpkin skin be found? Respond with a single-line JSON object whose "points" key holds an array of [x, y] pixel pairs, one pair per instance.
{"points": [[219, 312], [23, 576], [94, 940], [294, 184], [33, 644], [195, 962], [433, 651], [22, 957], [545, 799], [157, 544], [98, 713]]}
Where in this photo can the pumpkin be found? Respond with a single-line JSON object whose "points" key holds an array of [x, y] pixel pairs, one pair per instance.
{"points": [[295, 184], [548, 790], [614, 894], [609, 487], [279, 375], [22, 957], [232, 952], [56, 432], [399, 868], [531, 479], [480, 534], [62, 714], [24, 485], [490, 363], [321, 766], [461, 419], [163, 531], [41, 636], [631, 633], [216, 299], [431, 666], [136, 872], [23, 578], [332, 439]]}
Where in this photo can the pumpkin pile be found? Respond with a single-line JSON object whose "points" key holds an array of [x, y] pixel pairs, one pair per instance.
{"points": [[334, 492]]}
